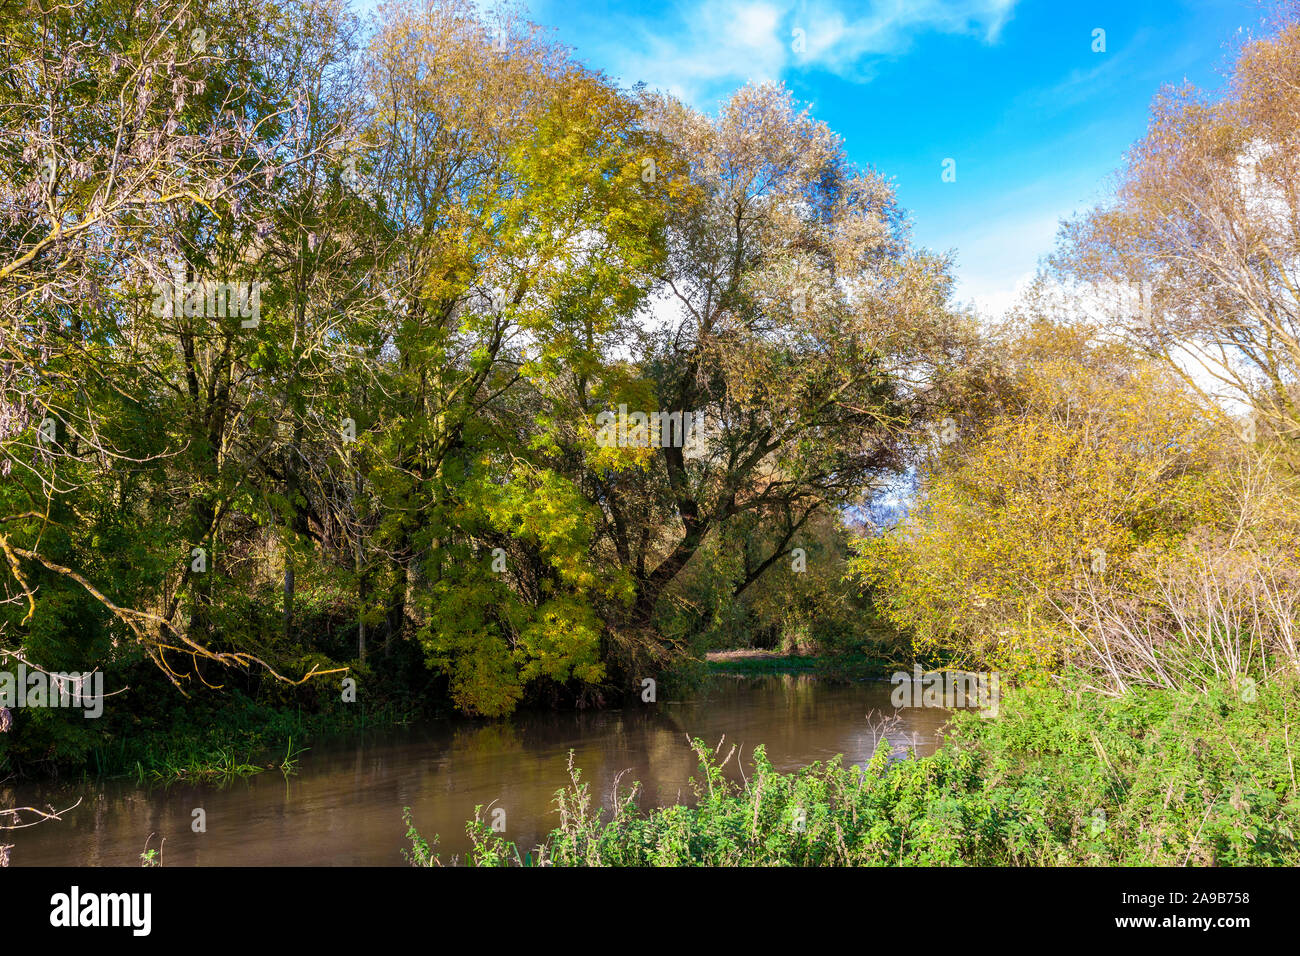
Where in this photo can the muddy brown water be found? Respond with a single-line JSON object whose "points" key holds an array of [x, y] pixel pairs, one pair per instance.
{"points": [[344, 804]]}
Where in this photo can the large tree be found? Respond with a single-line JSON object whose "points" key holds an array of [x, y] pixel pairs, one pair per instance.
{"points": [[793, 314], [138, 145], [1198, 253]]}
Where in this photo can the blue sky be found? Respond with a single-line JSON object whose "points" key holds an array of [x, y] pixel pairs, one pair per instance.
{"points": [[1010, 89]]}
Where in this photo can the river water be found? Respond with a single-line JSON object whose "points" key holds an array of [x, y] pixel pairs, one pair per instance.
{"points": [[344, 804]]}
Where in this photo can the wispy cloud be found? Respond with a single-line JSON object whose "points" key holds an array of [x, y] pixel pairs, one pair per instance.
{"points": [[701, 51], [849, 43], [705, 50]]}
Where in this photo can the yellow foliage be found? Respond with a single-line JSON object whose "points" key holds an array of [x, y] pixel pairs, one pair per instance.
{"points": [[1085, 465]]}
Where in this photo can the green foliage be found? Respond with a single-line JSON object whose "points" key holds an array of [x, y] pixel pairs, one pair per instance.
{"points": [[499, 619], [221, 736], [802, 603], [421, 853]]}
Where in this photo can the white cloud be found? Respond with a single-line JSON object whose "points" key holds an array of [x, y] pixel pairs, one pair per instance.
{"points": [[997, 259], [700, 52], [706, 51], [846, 43]]}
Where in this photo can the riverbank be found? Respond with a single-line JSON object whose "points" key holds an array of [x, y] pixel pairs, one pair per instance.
{"points": [[238, 740], [838, 667], [152, 732], [1153, 777]]}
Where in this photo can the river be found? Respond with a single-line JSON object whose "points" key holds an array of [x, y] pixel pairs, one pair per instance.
{"points": [[343, 806]]}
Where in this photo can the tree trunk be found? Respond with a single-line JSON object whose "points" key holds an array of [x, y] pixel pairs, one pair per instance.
{"points": [[361, 610], [288, 594]]}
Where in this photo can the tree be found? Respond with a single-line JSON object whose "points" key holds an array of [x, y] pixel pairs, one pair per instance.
{"points": [[792, 315], [518, 232], [1198, 254], [130, 136]]}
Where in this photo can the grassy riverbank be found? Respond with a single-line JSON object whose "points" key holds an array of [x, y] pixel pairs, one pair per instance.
{"points": [[1152, 777], [239, 739], [152, 733]]}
